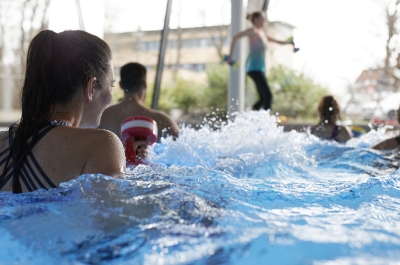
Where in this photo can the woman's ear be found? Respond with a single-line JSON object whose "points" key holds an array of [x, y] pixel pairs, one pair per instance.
{"points": [[89, 89]]}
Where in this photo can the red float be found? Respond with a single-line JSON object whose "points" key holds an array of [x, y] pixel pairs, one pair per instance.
{"points": [[137, 128]]}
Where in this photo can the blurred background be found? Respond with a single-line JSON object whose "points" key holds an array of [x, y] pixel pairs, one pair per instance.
{"points": [[347, 48]]}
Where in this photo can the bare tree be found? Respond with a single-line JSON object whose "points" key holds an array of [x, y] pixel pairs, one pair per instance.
{"points": [[220, 35], [391, 22], [2, 66], [390, 8], [2, 26], [23, 38], [34, 17], [178, 44], [45, 18], [218, 38]]}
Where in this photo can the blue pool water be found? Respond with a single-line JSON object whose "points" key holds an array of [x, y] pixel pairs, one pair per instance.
{"points": [[247, 194]]}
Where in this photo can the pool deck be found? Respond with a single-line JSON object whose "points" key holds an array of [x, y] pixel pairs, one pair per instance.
{"points": [[287, 127]]}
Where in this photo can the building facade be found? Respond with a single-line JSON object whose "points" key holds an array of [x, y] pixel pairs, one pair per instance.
{"points": [[191, 50], [372, 86]]}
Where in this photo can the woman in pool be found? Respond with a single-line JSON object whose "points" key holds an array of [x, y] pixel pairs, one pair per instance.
{"points": [[255, 64], [329, 114], [67, 86], [391, 143]]}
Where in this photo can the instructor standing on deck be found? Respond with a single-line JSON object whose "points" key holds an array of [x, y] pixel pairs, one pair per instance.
{"points": [[255, 64]]}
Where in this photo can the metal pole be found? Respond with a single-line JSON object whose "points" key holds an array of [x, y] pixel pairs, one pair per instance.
{"points": [[161, 55], [80, 17], [237, 76], [265, 5]]}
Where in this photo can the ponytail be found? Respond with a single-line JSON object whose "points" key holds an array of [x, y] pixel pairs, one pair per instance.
{"points": [[36, 100]]}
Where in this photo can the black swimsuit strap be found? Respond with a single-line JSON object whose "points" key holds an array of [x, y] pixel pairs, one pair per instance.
{"points": [[27, 174], [8, 177]]}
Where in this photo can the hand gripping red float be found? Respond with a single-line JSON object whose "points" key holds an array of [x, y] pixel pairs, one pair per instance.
{"points": [[137, 128]]}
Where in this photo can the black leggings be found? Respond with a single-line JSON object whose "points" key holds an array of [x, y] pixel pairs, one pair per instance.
{"points": [[263, 90]]}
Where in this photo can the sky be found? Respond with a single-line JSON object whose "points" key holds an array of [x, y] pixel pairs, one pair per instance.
{"points": [[337, 39]]}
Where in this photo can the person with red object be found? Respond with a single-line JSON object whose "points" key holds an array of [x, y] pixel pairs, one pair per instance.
{"points": [[133, 83]]}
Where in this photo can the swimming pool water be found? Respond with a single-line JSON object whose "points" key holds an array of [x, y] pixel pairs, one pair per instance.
{"points": [[247, 194]]}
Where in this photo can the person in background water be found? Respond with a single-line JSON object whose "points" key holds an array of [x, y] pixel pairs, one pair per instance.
{"points": [[329, 114], [67, 87], [255, 64], [391, 143], [133, 83]]}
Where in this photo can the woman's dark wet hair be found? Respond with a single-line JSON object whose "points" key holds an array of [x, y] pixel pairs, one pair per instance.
{"points": [[328, 109], [253, 16], [58, 66]]}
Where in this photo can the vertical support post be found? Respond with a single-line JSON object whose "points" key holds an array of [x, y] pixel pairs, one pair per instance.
{"points": [[237, 76], [265, 6], [80, 17], [161, 55]]}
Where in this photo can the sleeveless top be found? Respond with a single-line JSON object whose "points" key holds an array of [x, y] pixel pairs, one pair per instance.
{"points": [[256, 59], [31, 175]]}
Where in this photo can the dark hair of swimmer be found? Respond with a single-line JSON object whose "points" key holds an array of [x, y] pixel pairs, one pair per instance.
{"points": [[132, 77], [328, 109], [253, 16], [58, 66]]}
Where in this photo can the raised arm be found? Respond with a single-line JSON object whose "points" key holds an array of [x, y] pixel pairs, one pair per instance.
{"points": [[246, 33], [278, 41]]}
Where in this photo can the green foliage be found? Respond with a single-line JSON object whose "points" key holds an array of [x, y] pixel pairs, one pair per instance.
{"points": [[294, 94], [216, 92], [182, 94], [164, 103], [186, 94], [117, 95]]}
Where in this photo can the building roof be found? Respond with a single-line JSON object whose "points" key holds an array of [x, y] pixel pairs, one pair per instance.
{"points": [[373, 77], [283, 23], [192, 29]]}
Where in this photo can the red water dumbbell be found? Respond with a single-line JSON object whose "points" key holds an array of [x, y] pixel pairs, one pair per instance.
{"points": [[137, 128]]}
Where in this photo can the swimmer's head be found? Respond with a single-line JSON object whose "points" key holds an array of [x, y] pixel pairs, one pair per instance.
{"points": [[133, 77], [256, 18], [328, 109], [61, 66]]}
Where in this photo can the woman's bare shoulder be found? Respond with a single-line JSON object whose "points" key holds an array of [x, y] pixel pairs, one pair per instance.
{"points": [[95, 136], [107, 154], [387, 144]]}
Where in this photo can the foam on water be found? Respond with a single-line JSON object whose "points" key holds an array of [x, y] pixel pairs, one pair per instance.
{"points": [[247, 194]]}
